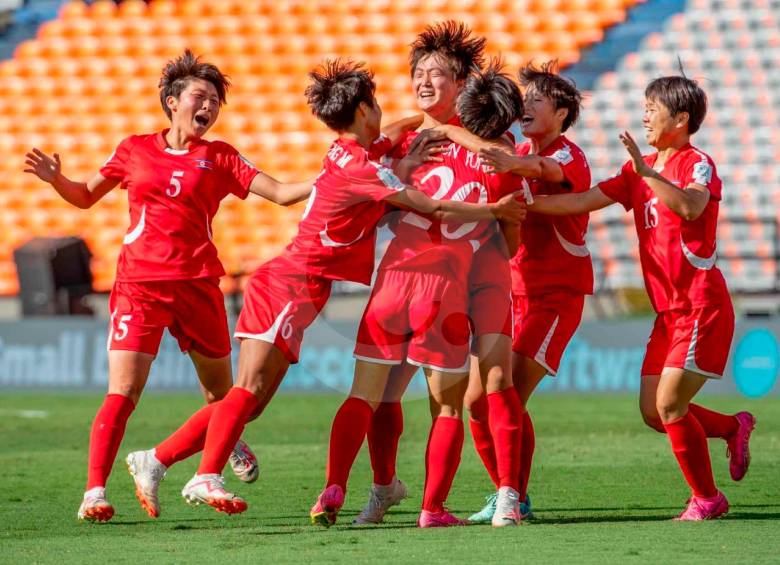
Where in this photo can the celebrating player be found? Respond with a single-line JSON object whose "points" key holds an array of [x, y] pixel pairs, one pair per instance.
{"points": [[418, 313], [441, 59], [551, 271], [168, 270], [674, 193], [335, 241]]}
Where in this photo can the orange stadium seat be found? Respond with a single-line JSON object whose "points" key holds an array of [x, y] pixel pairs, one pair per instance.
{"points": [[89, 79]]}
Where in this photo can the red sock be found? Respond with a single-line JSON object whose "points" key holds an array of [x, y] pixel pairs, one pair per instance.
{"points": [[479, 425], [187, 440], [714, 423], [442, 458], [346, 436], [506, 421], [108, 428], [387, 425], [528, 442], [689, 445], [225, 427]]}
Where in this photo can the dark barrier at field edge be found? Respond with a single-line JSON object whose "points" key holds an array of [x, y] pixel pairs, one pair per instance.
{"points": [[57, 353]]}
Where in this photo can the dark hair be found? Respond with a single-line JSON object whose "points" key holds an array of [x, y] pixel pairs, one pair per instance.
{"points": [[337, 89], [562, 91], [680, 94], [452, 40], [178, 73], [490, 102]]}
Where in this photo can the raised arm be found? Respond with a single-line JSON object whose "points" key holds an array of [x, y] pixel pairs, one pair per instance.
{"points": [[397, 130], [572, 203], [283, 193], [528, 166], [81, 194], [509, 208], [688, 203]]}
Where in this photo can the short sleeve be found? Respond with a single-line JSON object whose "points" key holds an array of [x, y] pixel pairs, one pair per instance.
{"points": [[117, 165], [369, 180], [380, 147], [576, 171], [238, 170], [618, 187], [699, 169], [506, 183]]}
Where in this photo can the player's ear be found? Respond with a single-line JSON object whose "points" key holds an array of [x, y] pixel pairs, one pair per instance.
{"points": [[561, 114], [172, 102], [681, 119]]}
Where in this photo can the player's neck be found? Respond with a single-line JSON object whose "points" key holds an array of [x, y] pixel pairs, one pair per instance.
{"points": [[431, 121], [542, 142], [177, 139], [665, 152], [360, 136]]}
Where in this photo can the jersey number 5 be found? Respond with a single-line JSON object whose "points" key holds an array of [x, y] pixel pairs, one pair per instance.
{"points": [[175, 188]]}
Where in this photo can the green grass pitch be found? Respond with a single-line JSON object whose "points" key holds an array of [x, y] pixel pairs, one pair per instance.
{"points": [[604, 489]]}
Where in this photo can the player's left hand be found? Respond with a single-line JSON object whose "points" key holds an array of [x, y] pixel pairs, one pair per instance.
{"points": [[640, 167], [498, 160]]}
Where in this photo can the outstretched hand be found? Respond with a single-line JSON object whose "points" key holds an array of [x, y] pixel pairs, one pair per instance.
{"points": [[498, 160], [640, 167], [41, 165]]}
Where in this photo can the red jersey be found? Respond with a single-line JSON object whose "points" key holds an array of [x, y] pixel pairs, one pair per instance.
{"points": [[677, 255], [173, 196], [552, 255], [337, 234], [430, 245]]}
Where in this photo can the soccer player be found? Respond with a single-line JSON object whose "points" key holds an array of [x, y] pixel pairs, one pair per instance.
{"points": [[335, 241], [675, 193], [441, 58], [418, 313], [168, 271], [551, 271]]}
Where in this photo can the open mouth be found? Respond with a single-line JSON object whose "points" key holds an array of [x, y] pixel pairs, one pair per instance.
{"points": [[527, 120], [426, 94], [202, 120]]}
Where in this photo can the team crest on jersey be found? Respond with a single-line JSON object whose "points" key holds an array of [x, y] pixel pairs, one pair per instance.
{"points": [[702, 173], [563, 155], [204, 164], [388, 178]]}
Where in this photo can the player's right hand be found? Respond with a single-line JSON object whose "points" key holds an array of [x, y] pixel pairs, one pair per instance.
{"points": [[511, 208], [428, 146], [41, 165]]}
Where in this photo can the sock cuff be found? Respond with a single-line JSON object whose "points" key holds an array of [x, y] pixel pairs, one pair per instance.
{"points": [[120, 400]]}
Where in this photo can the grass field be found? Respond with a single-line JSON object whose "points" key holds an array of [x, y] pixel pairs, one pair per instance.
{"points": [[604, 488]]}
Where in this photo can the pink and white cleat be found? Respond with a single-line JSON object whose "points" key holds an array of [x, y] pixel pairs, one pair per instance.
{"points": [[704, 508], [739, 446], [441, 519], [326, 509], [210, 489], [95, 507]]}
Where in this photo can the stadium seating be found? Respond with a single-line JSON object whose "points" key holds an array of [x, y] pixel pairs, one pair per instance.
{"points": [[732, 47], [90, 78]]}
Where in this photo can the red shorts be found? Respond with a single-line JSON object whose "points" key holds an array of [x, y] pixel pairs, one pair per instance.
{"points": [[417, 317], [490, 292], [697, 340], [544, 325], [192, 310], [279, 304]]}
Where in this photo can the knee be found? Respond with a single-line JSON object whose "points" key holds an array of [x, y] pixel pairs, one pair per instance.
{"points": [[449, 411], [670, 409], [653, 420]]}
